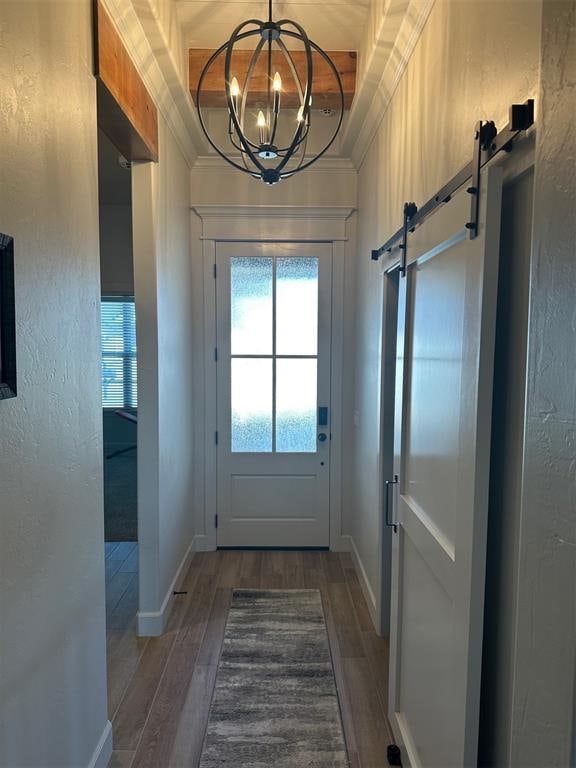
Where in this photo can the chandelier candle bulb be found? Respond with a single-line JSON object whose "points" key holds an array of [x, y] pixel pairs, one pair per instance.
{"points": [[234, 93], [277, 87], [261, 122]]}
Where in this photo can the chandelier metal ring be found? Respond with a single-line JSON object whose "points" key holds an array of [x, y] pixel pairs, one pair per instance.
{"points": [[260, 155]]}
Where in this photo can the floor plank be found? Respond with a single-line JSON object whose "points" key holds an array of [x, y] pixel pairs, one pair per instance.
{"points": [[251, 570], [121, 759], [358, 601], [130, 564], [110, 547], [229, 570], [272, 574], [370, 727], [347, 630], [212, 641], [115, 590], [133, 712], [193, 720], [333, 567]]}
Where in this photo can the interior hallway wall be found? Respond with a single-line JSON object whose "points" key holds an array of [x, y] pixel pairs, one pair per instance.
{"points": [[472, 61], [166, 356], [543, 705], [52, 615]]}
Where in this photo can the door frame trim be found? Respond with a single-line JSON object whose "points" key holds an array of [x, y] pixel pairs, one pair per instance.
{"points": [[283, 224]]}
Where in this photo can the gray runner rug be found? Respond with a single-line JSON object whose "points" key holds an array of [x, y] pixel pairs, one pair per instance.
{"points": [[275, 703]]}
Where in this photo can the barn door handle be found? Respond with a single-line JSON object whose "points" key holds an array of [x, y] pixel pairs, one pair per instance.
{"points": [[387, 503]]}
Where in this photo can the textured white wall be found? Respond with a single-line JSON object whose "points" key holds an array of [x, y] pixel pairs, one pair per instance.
{"points": [[544, 718], [164, 285], [52, 630], [472, 61], [218, 184]]}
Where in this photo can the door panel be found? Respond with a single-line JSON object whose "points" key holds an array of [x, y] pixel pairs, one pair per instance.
{"points": [[443, 402], [273, 327]]}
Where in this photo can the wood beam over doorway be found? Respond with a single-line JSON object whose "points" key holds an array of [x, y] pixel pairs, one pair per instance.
{"points": [[126, 112]]}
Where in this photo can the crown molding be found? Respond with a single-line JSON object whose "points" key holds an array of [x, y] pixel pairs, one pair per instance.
{"points": [[274, 223], [318, 212], [326, 164], [398, 31], [142, 34]]}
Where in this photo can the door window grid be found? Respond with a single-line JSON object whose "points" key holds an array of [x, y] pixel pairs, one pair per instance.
{"points": [[259, 424]]}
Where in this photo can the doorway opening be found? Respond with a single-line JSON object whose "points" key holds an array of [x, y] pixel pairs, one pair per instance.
{"points": [[119, 408]]}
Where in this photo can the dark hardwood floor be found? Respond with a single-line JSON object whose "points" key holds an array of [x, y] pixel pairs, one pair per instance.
{"points": [[160, 688]]}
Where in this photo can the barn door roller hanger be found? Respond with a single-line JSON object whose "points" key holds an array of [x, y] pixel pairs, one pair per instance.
{"points": [[488, 142]]}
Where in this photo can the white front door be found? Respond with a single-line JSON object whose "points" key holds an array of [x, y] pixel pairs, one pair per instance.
{"points": [[439, 492], [273, 330]]}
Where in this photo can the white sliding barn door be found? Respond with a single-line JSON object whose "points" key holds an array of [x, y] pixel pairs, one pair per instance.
{"points": [[443, 406]]}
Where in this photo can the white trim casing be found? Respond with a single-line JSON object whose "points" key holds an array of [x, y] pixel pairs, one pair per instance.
{"points": [[210, 396], [269, 224], [153, 623], [336, 394], [103, 751], [296, 223]]}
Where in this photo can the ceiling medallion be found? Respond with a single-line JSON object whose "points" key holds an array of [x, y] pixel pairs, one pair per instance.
{"points": [[271, 136]]}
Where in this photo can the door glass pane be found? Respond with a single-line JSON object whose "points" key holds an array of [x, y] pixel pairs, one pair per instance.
{"points": [[297, 306], [251, 405], [296, 406], [251, 305]]}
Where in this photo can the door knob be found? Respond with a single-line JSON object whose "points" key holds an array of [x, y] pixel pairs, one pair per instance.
{"points": [[322, 437]]}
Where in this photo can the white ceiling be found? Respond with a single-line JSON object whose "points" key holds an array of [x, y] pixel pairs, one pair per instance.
{"points": [[334, 25]]}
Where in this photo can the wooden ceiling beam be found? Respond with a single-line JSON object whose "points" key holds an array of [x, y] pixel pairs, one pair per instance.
{"points": [[324, 87]]}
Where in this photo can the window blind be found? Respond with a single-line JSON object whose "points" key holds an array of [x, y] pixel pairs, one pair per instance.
{"points": [[118, 326]]}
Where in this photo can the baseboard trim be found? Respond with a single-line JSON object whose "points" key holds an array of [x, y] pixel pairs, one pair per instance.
{"points": [[203, 544], [153, 623], [103, 752], [343, 544], [367, 590]]}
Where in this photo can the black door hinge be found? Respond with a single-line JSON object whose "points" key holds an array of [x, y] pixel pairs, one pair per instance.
{"points": [[216, 437], [215, 271], [215, 521], [216, 354]]}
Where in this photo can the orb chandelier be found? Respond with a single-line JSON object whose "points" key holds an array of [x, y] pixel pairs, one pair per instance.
{"points": [[271, 137]]}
